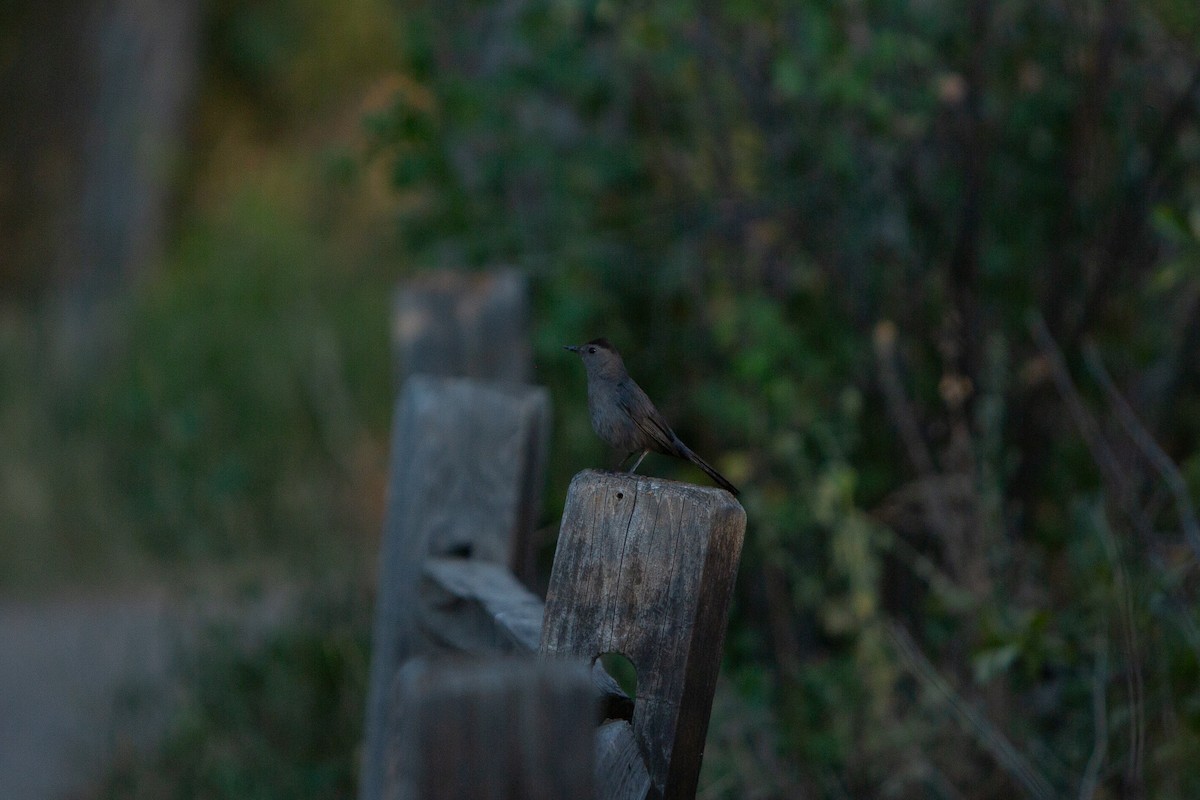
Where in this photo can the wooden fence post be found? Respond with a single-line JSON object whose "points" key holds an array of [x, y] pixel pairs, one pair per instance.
{"points": [[466, 475], [499, 730], [620, 769], [464, 324], [454, 324], [646, 567], [467, 467]]}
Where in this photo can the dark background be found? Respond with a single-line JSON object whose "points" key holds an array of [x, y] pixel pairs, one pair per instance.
{"points": [[923, 278]]}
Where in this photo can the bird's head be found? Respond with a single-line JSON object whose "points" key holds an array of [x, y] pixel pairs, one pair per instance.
{"points": [[600, 358]]}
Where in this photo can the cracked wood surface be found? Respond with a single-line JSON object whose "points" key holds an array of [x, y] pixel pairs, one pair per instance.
{"points": [[645, 567], [620, 768]]}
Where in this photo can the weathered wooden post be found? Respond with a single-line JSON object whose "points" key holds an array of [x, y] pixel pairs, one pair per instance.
{"points": [[455, 324], [499, 730], [464, 324], [466, 477], [620, 768], [646, 567]]}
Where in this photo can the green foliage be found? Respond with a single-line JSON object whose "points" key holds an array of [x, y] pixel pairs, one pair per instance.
{"points": [[770, 208], [287, 59], [278, 719], [236, 420], [247, 344]]}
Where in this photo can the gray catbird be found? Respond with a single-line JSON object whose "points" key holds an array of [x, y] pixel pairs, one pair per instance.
{"points": [[623, 416]]}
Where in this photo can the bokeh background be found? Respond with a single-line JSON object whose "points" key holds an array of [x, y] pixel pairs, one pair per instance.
{"points": [[923, 278]]}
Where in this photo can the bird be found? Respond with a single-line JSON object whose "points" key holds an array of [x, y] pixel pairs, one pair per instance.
{"points": [[623, 416]]}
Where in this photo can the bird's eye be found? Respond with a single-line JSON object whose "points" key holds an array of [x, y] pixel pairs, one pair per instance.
{"points": [[591, 349]]}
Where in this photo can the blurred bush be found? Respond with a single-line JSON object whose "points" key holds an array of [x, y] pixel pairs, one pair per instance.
{"points": [[275, 719], [241, 411], [821, 234], [243, 416]]}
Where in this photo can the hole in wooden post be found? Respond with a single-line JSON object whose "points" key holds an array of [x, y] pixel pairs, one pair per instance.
{"points": [[461, 550], [622, 671], [620, 495]]}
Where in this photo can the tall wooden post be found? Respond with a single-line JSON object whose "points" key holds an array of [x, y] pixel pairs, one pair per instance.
{"points": [[646, 567], [455, 324], [500, 730], [466, 474], [464, 324]]}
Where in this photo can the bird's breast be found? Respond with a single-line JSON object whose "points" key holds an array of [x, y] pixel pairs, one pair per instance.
{"points": [[610, 420]]}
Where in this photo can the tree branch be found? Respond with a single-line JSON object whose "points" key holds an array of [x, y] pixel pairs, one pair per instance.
{"points": [[1091, 774], [1145, 442], [975, 723]]}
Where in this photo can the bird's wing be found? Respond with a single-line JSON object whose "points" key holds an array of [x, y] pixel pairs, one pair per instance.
{"points": [[658, 433]]}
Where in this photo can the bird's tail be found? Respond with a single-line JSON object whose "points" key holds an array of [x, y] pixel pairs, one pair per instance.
{"points": [[704, 465]]}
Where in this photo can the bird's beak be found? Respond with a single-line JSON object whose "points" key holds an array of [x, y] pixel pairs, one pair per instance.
{"points": [[574, 348]]}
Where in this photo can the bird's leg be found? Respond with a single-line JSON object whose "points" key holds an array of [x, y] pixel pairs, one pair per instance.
{"points": [[625, 460], [638, 463]]}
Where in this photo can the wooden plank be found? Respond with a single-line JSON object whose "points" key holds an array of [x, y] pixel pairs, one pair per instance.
{"points": [[467, 466], [620, 770], [476, 608], [645, 567], [499, 730], [466, 459], [475, 325], [463, 324]]}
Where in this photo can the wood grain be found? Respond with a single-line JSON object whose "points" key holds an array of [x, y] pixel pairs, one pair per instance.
{"points": [[646, 567], [499, 730], [463, 324], [475, 325], [477, 608], [480, 609], [467, 462], [620, 769]]}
